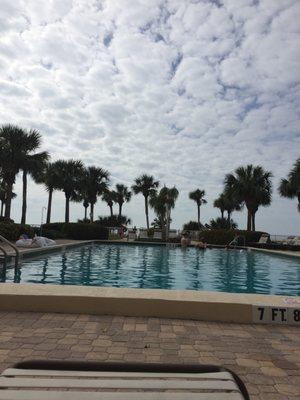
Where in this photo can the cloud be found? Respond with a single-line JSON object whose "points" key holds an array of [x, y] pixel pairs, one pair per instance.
{"points": [[185, 90]]}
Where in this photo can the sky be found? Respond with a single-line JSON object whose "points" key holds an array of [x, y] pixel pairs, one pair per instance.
{"points": [[184, 90]]}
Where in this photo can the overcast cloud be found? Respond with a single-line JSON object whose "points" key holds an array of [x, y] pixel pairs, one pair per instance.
{"points": [[185, 90]]}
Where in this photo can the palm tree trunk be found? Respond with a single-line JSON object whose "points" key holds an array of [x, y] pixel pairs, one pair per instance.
{"points": [[253, 221], [147, 211], [92, 212], [111, 210], [85, 213], [49, 206], [8, 199], [67, 211], [24, 198], [249, 220], [198, 209], [222, 214], [2, 208], [228, 216], [120, 209]]}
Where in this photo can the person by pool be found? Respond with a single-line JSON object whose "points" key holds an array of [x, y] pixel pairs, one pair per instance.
{"points": [[202, 244], [185, 239]]}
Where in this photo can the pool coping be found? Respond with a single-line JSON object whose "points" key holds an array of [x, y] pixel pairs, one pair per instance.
{"points": [[161, 303]]}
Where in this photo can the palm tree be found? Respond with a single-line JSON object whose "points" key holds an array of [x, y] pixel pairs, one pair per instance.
{"points": [[69, 179], [95, 184], [162, 202], [250, 185], [49, 178], [31, 163], [109, 197], [220, 203], [198, 197], [264, 199], [290, 187], [12, 142], [123, 195], [145, 184], [232, 203], [3, 196]]}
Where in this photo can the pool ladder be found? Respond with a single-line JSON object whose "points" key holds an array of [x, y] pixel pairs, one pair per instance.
{"points": [[6, 255]]}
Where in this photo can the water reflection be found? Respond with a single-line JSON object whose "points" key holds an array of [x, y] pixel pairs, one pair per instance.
{"points": [[162, 267]]}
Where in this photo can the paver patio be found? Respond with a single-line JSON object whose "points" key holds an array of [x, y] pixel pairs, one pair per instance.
{"points": [[266, 357]]}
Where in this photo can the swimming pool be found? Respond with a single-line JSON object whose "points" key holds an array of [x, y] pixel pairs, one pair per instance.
{"points": [[152, 267]]}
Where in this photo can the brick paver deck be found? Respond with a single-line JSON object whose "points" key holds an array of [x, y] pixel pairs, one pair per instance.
{"points": [[267, 358]]}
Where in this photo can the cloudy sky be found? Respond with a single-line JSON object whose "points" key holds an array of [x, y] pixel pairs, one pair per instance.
{"points": [[185, 90]]}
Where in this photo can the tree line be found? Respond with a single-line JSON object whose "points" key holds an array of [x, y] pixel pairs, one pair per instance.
{"points": [[248, 186]]}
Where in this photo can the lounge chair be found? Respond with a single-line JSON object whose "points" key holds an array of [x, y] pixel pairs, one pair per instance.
{"points": [[173, 234], [131, 234], [264, 238], [296, 241], [157, 235], [143, 234], [67, 380]]}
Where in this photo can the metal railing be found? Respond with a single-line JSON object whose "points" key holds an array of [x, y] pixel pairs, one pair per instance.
{"points": [[17, 256]]}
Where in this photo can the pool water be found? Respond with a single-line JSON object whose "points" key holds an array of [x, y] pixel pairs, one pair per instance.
{"points": [[160, 267]]}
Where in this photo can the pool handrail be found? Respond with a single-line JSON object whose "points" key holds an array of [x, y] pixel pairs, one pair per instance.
{"points": [[17, 256]]}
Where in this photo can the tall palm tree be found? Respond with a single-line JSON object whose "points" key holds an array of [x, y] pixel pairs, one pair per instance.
{"points": [[290, 187], [12, 142], [220, 203], [31, 163], [95, 183], [198, 197], [109, 196], [123, 195], [249, 185], [69, 179], [49, 178], [162, 202], [145, 184]]}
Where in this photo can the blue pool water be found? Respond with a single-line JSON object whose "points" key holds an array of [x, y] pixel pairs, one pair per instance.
{"points": [[134, 266]]}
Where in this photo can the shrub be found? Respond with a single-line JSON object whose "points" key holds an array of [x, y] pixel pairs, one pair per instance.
{"points": [[221, 223], [115, 220], [52, 234], [54, 226], [5, 219], [150, 232], [80, 231], [191, 226], [223, 237], [13, 231]]}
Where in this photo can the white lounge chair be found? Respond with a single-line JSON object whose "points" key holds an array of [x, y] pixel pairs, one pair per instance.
{"points": [[131, 234], [295, 241], [173, 234], [143, 234], [157, 235], [264, 238], [63, 380]]}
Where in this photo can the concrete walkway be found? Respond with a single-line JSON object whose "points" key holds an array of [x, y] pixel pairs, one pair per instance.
{"points": [[267, 357]]}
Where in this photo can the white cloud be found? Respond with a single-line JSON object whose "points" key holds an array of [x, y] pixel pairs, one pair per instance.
{"points": [[185, 90]]}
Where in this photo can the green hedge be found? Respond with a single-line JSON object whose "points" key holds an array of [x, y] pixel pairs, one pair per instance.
{"points": [[223, 237], [54, 226], [80, 231], [13, 231], [52, 234]]}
